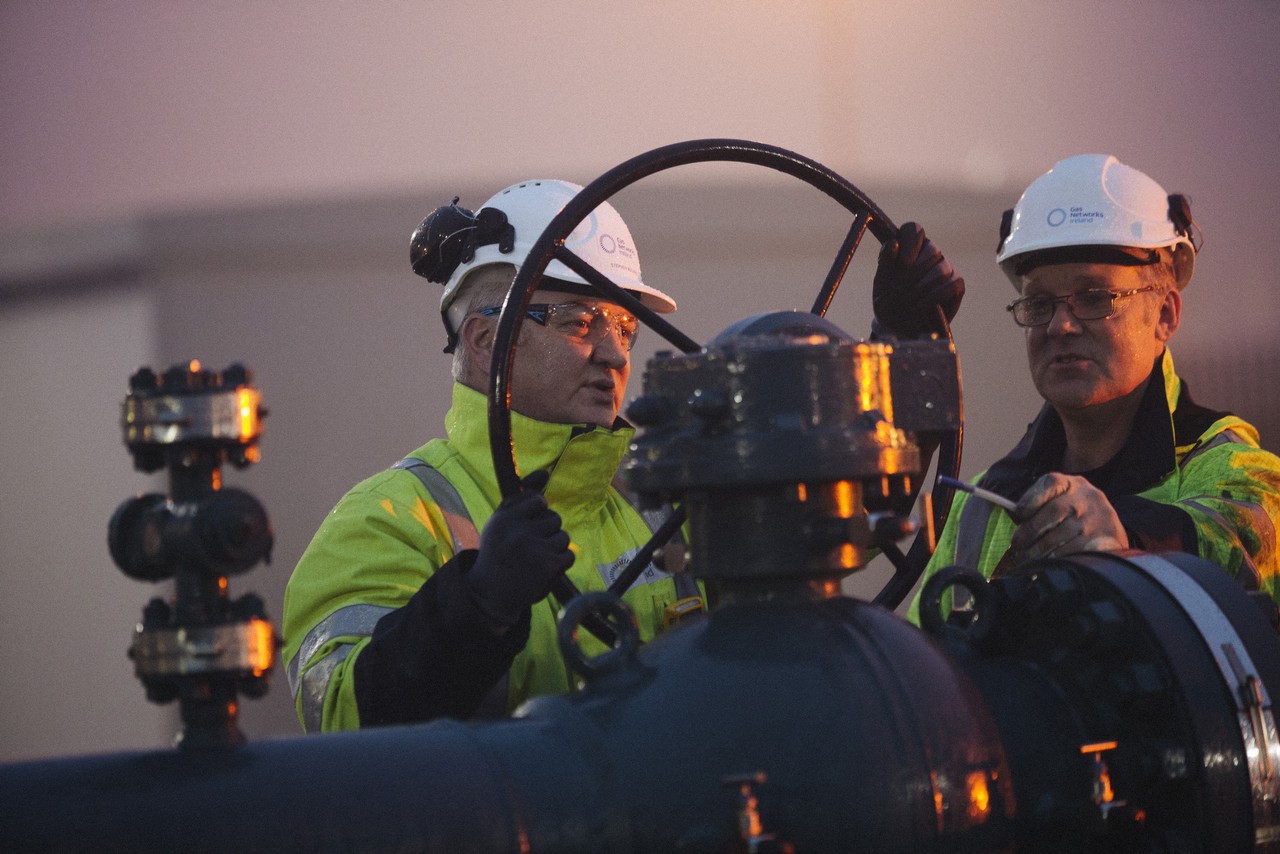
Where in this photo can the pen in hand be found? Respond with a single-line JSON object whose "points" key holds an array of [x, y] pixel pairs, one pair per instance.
{"points": [[978, 491]]}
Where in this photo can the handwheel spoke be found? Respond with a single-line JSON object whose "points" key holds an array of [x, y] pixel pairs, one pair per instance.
{"points": [[841, 263], [660, 538]]}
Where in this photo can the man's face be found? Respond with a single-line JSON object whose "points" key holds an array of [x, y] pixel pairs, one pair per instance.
{"points": [[1076, 363], [566, 379]]}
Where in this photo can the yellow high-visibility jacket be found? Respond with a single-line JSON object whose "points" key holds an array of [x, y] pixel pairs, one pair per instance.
{"points": [[1188, 479], [386, 566]]}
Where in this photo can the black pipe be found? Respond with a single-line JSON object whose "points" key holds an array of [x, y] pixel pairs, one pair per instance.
{"points": [[864, 733], [833, 700]]}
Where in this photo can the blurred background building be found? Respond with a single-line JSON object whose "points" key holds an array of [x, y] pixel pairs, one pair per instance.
{"points": [[237, 182]]}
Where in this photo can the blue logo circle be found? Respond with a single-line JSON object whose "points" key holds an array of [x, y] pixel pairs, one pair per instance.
{"points": [[1056, 217]]}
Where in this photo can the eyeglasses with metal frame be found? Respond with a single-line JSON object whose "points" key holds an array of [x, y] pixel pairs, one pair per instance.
{"points": [[1084, 305], [583, 321]]}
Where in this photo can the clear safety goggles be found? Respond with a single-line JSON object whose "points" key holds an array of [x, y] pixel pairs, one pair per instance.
{"points": [[1084, 305], [582, 321]]}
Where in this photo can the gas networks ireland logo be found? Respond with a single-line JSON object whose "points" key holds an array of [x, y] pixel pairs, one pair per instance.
{"points": [[1074, 216], [622, 254], [610, 244]]}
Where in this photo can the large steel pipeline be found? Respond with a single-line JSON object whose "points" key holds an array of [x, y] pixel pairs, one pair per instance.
{"points": [[829, 723], [832, 703]]}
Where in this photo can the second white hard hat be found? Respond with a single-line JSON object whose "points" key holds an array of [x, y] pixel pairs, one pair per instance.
{"points": [[1094, 200]]}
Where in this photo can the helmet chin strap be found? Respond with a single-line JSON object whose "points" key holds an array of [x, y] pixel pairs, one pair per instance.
{"points": [[1006, 228], [1180, 216]]}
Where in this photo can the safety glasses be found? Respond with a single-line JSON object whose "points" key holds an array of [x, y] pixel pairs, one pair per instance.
{"points": [[582, 321], [1085, 305]]}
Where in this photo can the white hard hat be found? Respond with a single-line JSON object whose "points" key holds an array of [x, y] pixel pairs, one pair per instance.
{"points": [[1092, 206], [451, 244]]}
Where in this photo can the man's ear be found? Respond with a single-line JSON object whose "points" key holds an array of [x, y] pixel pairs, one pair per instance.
{"points": [[477, 336], [1170, 315]]}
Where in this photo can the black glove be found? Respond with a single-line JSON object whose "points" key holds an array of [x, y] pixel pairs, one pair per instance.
{"points": [[523, 550], [912, 282]]}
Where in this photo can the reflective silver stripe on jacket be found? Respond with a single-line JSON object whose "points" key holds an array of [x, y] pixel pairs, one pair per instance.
{"points": [[971, 532], [315, 685], [1249, 577], [462, 531], [351, 621], [1223, 438]]}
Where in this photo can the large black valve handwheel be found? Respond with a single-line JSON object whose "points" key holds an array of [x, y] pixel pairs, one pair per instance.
{"points": [[551, 246]]}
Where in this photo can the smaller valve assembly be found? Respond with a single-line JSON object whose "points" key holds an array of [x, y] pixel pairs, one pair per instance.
{"points": [[200, 648]]}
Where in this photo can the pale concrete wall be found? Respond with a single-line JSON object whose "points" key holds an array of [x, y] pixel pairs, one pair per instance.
{"points": [[66, 612]]}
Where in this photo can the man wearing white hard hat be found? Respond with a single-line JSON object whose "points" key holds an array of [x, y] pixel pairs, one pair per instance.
{"points": [[424, 594], [1120, 455]]}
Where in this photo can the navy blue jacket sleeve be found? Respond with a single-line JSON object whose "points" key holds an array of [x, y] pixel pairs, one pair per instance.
{"points": [[437, 656]]}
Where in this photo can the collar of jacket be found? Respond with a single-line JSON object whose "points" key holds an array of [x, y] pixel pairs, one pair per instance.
{"points": [[1148, 453], [583, 459]]}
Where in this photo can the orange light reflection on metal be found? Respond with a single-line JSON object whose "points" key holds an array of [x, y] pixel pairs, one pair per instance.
{"points": [[247, 401], [262, 646], [1107, 794], [843, 494], [979, 794], [828, 588], [886, 399], [755, 827], [871, 370], [1102, 791], [938, 802], [865, 374]]}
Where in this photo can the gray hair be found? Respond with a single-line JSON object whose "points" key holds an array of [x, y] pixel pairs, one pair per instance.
{"points": [[1161, 275], [483, 287]]}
